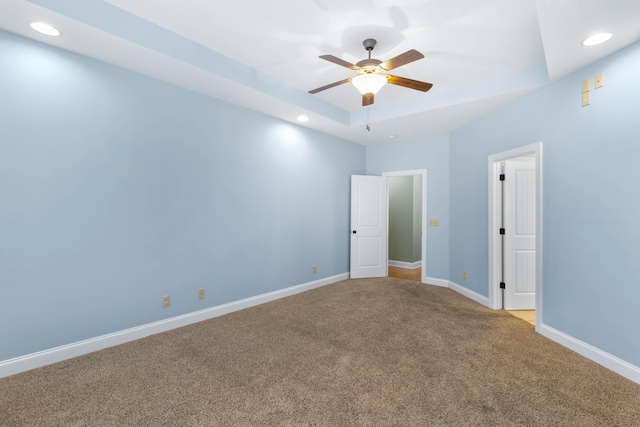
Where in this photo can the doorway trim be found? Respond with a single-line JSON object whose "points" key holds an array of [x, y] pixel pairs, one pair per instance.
{"points": [[423, 226], [494, 223]]}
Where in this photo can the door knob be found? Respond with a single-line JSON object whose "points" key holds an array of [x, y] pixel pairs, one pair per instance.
{"points": [[354, 231]]}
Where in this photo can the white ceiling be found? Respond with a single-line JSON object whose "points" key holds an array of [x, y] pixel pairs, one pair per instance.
{"points": [[479, 54]]}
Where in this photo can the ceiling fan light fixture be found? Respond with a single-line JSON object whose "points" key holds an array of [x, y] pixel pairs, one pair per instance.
{"points": [[369, 82], [596, 39]]}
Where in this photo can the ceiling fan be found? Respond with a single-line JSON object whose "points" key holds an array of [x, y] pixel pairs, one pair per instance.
{"points": [[371, 73]]}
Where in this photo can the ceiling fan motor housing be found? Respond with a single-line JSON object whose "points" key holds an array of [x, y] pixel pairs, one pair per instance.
{"points": [[369, 65], [371, 62]]}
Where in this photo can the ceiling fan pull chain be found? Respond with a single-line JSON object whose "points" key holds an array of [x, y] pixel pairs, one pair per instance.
{"points": [[368, 118]]}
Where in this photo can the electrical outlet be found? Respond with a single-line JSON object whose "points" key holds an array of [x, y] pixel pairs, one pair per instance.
{"points": [[166, 301], [200, 293], [464, 275], [314, 269], [586, 99]]}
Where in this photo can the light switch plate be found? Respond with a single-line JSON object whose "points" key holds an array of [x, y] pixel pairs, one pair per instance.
{"points": [[434, 222], [586, 85], [599, 80], [586, 98]]}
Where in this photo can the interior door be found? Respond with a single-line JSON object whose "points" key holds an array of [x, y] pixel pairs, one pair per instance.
{"points": [[368, 226], [520, 234]]}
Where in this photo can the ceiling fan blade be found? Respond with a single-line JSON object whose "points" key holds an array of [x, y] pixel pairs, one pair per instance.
{"points": [[329, 86], [339, 61], [402, 59], [411, 84], [367, 99]]}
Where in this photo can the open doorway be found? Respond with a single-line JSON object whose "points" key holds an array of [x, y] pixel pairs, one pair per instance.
{"points": [[515, 231], [406, 192]]}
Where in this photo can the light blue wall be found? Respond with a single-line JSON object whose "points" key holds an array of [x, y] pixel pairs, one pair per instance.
{"points": [[591, 207], [116, 189], [426, 153]]}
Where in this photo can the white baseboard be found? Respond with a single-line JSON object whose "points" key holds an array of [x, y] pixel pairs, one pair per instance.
{"points": [[58, 354], [436, 282], [481, 299], [403, 264], [605, 359]]}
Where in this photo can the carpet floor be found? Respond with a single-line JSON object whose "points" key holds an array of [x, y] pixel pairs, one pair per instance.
{"points": [[372, 352]]}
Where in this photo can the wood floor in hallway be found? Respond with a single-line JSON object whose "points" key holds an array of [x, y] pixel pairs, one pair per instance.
{"points": [[406, 273], [526, 315]]}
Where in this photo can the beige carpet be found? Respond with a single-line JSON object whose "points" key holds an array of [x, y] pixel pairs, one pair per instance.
{"points": [[376, 352]]}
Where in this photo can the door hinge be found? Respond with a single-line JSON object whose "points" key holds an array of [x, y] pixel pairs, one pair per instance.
{"points": [[502, 177], [502, 285], [502, 231]]}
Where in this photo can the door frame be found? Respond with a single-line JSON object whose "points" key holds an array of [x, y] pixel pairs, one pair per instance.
{"points": [[494, 223], [423, 226]]}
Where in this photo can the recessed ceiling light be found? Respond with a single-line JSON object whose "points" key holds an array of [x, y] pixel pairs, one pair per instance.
{"points": [[47, 29], [303, 118], [597, 39], [392, 136]]}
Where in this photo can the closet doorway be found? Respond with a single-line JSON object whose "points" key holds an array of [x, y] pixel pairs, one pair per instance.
{"points": [[515, 231]]}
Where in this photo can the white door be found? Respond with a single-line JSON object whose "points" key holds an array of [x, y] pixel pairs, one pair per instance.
{"points": [[368, 226], [520, 234]]}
